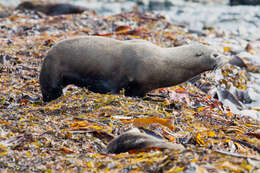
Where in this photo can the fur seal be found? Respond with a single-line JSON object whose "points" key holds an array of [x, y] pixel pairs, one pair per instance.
{"points": [[135, 140], [106, 65], [244, 2], [51, 9]]}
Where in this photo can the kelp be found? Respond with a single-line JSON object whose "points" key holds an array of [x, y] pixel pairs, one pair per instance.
{"points": [[71, 133]]}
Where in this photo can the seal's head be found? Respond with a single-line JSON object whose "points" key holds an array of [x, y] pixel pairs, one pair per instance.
{"points": [[203, 58], [25, 5]]}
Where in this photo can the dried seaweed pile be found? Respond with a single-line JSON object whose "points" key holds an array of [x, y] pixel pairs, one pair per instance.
{"points": [[71, 133]]}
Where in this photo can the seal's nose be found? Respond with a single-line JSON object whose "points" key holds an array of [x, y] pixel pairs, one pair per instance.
{"points": [[215, 55]]}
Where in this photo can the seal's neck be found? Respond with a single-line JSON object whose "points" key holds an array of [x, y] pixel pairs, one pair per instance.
{"points": [[175, 68]]}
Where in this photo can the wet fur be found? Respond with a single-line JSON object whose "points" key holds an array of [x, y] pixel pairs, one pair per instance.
{"points": [[135, 140], [106, 65]]}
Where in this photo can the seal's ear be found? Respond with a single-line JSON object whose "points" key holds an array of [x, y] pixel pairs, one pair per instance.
{"points": [[199, 54]]}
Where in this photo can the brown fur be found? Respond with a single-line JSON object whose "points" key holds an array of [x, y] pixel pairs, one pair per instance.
{"points": [[135, 140], [107, 65]]}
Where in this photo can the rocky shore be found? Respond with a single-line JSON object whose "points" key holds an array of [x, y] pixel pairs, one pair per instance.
{"points": [[207, 124], [230, 29]]}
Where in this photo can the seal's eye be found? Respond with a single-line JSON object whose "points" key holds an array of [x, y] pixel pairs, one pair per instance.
{"points": [[199, 53], [214, 55]]}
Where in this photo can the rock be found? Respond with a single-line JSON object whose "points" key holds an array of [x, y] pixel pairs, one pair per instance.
{"points": [[159, 4], [249, 48], [4, 58], [245, 55], [228, 98], [251, 113], [4, 14], [237, 61], [143, 3], [208, 2], [5, 11], [235, 49], [244, 2], [244, 96], [27, 98]]}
